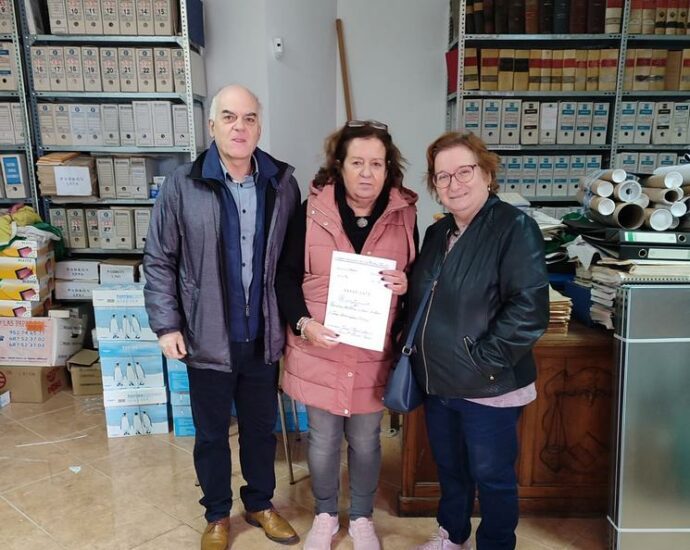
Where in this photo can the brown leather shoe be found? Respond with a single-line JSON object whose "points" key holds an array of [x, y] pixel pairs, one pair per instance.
{"points": [[215, 535], [274, 525]]}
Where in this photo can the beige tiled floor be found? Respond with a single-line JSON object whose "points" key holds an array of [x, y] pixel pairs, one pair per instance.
{"points": [[65, 485]]}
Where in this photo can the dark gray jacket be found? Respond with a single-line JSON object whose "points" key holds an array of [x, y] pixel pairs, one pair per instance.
{"points": [[183, 262]]}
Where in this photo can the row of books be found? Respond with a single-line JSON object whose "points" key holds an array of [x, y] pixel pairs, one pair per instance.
{"points": [[659, 123], [656, 70], [521, 122], [659, 17], [508, 69], [541, 16]]}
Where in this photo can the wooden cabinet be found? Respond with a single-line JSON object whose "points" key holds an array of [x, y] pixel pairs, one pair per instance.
{"points": [[564, 434]]}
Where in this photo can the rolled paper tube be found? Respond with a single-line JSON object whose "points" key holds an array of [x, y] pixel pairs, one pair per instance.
{"points": [[617, 175], [626, 215], [677, 209], [597, 187], [669, 180], [628, 191], [663, 196], [643, 201], [686, 190], [658, 219], [602, 205], [675, 223], [682, 169]]}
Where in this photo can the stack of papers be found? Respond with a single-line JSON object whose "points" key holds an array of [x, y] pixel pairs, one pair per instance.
{"points": [[549, 226], [75, 174], [560, 308]]}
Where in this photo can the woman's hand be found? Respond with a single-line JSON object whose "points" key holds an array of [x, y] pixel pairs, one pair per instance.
{"points": [[395, 280], [320, 336]]}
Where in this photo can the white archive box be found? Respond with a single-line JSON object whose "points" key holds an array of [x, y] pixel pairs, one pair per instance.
{"points": [[56, 69], [15, 175], [78, 123], [667, 159], [577, 170], [93, 19], [530, 170], [111, 124], [106, 177], [73, 69], [179, 72], [63, 130], [600, 122], [92, 232], [57, 15], [141, 170], [628, 161], [145, 17], [146, 75], [6, 127], [75, 16], [91, 69], [491, 121], [567, 113], [510, 121], [545, 176], [471, 121], [94, 124], [561, 167], [643, 122], [529, 123], [58, 218], [6, 20], [583, 122], [121, 170], [142, 219], [126, 122], [592, 162], [123, 221], [106, 229], [165, 17], [40, 68], [180, 125], [663, 113], [127, 15], [646, 162], [626, 131], [18, 123], [162, 123], [77, 270], [162, 63], [128, 69], [548, 122], [143, 123], [110, 71], [8, 69], [110, 17], [680, 120], [46, 123], [76, 228], [513, 171]]}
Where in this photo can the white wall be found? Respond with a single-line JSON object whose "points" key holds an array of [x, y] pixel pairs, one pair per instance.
{"points": [[395, 53], [397, 75]]}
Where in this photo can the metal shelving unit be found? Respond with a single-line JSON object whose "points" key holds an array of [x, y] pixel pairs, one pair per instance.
{"points": [[81, 251], [99, 202], [21, 96], [568, 41]]}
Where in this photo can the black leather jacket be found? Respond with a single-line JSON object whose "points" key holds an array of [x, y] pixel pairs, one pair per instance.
{"points": [[489, 306]]}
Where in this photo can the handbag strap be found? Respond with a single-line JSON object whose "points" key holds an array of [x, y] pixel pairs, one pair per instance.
{"points": [[407, 348]]}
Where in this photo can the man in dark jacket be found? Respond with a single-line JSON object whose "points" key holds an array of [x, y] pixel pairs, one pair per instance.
{"points": [[216, 233]]}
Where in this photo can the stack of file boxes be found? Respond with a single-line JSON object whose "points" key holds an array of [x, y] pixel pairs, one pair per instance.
{"points": [[134, 392], [27, 268]]}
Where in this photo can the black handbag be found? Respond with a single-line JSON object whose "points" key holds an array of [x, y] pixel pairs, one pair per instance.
{"points": [[403, 394]]}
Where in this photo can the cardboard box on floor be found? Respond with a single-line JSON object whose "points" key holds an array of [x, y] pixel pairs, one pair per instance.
{"points": [[85, 370], [32, 384], [39, 341]]}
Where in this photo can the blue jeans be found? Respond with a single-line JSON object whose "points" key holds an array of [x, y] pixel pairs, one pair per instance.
{"points": [[362, 432], [475, 448], [253, 385]]}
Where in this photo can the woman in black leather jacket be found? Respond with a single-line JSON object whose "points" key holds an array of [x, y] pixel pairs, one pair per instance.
{"points": [[488, 307]]}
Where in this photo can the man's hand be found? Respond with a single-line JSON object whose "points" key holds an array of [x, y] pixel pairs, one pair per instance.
{"points": [[172, 345]]}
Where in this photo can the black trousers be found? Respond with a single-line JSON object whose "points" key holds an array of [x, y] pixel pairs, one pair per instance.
{"points": [[253, 386]]}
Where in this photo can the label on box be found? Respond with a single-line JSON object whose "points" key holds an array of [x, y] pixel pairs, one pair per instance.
{"points": [[73, 180]]}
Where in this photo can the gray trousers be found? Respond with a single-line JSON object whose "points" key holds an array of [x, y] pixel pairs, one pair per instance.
{"points": [[362, 432]]}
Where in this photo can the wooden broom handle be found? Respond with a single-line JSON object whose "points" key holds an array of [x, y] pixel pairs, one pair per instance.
{"points": [[343, 68]]}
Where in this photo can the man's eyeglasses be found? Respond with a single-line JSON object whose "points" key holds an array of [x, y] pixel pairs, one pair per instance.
{"points": [[463, 174], [362, 123]]}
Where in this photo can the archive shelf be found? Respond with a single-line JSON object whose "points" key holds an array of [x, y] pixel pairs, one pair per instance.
{"points": [[92, 201], [83, 251], [104, 39], [6, 94], [109, 95], [120, 149], [615, 97]]}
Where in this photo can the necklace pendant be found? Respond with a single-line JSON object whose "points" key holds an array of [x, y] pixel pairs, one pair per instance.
{"points": [[362, 222]]}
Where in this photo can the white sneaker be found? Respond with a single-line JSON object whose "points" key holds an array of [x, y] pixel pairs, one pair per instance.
{"points": [[440, 541], [322, 531], [363, 534]]}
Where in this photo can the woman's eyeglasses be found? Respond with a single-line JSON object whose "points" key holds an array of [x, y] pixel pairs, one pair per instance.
{"points": [[463, 174], [362, 123]]}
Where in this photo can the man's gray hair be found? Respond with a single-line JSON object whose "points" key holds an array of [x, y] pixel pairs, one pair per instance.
{"points": [[213, 110]]}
